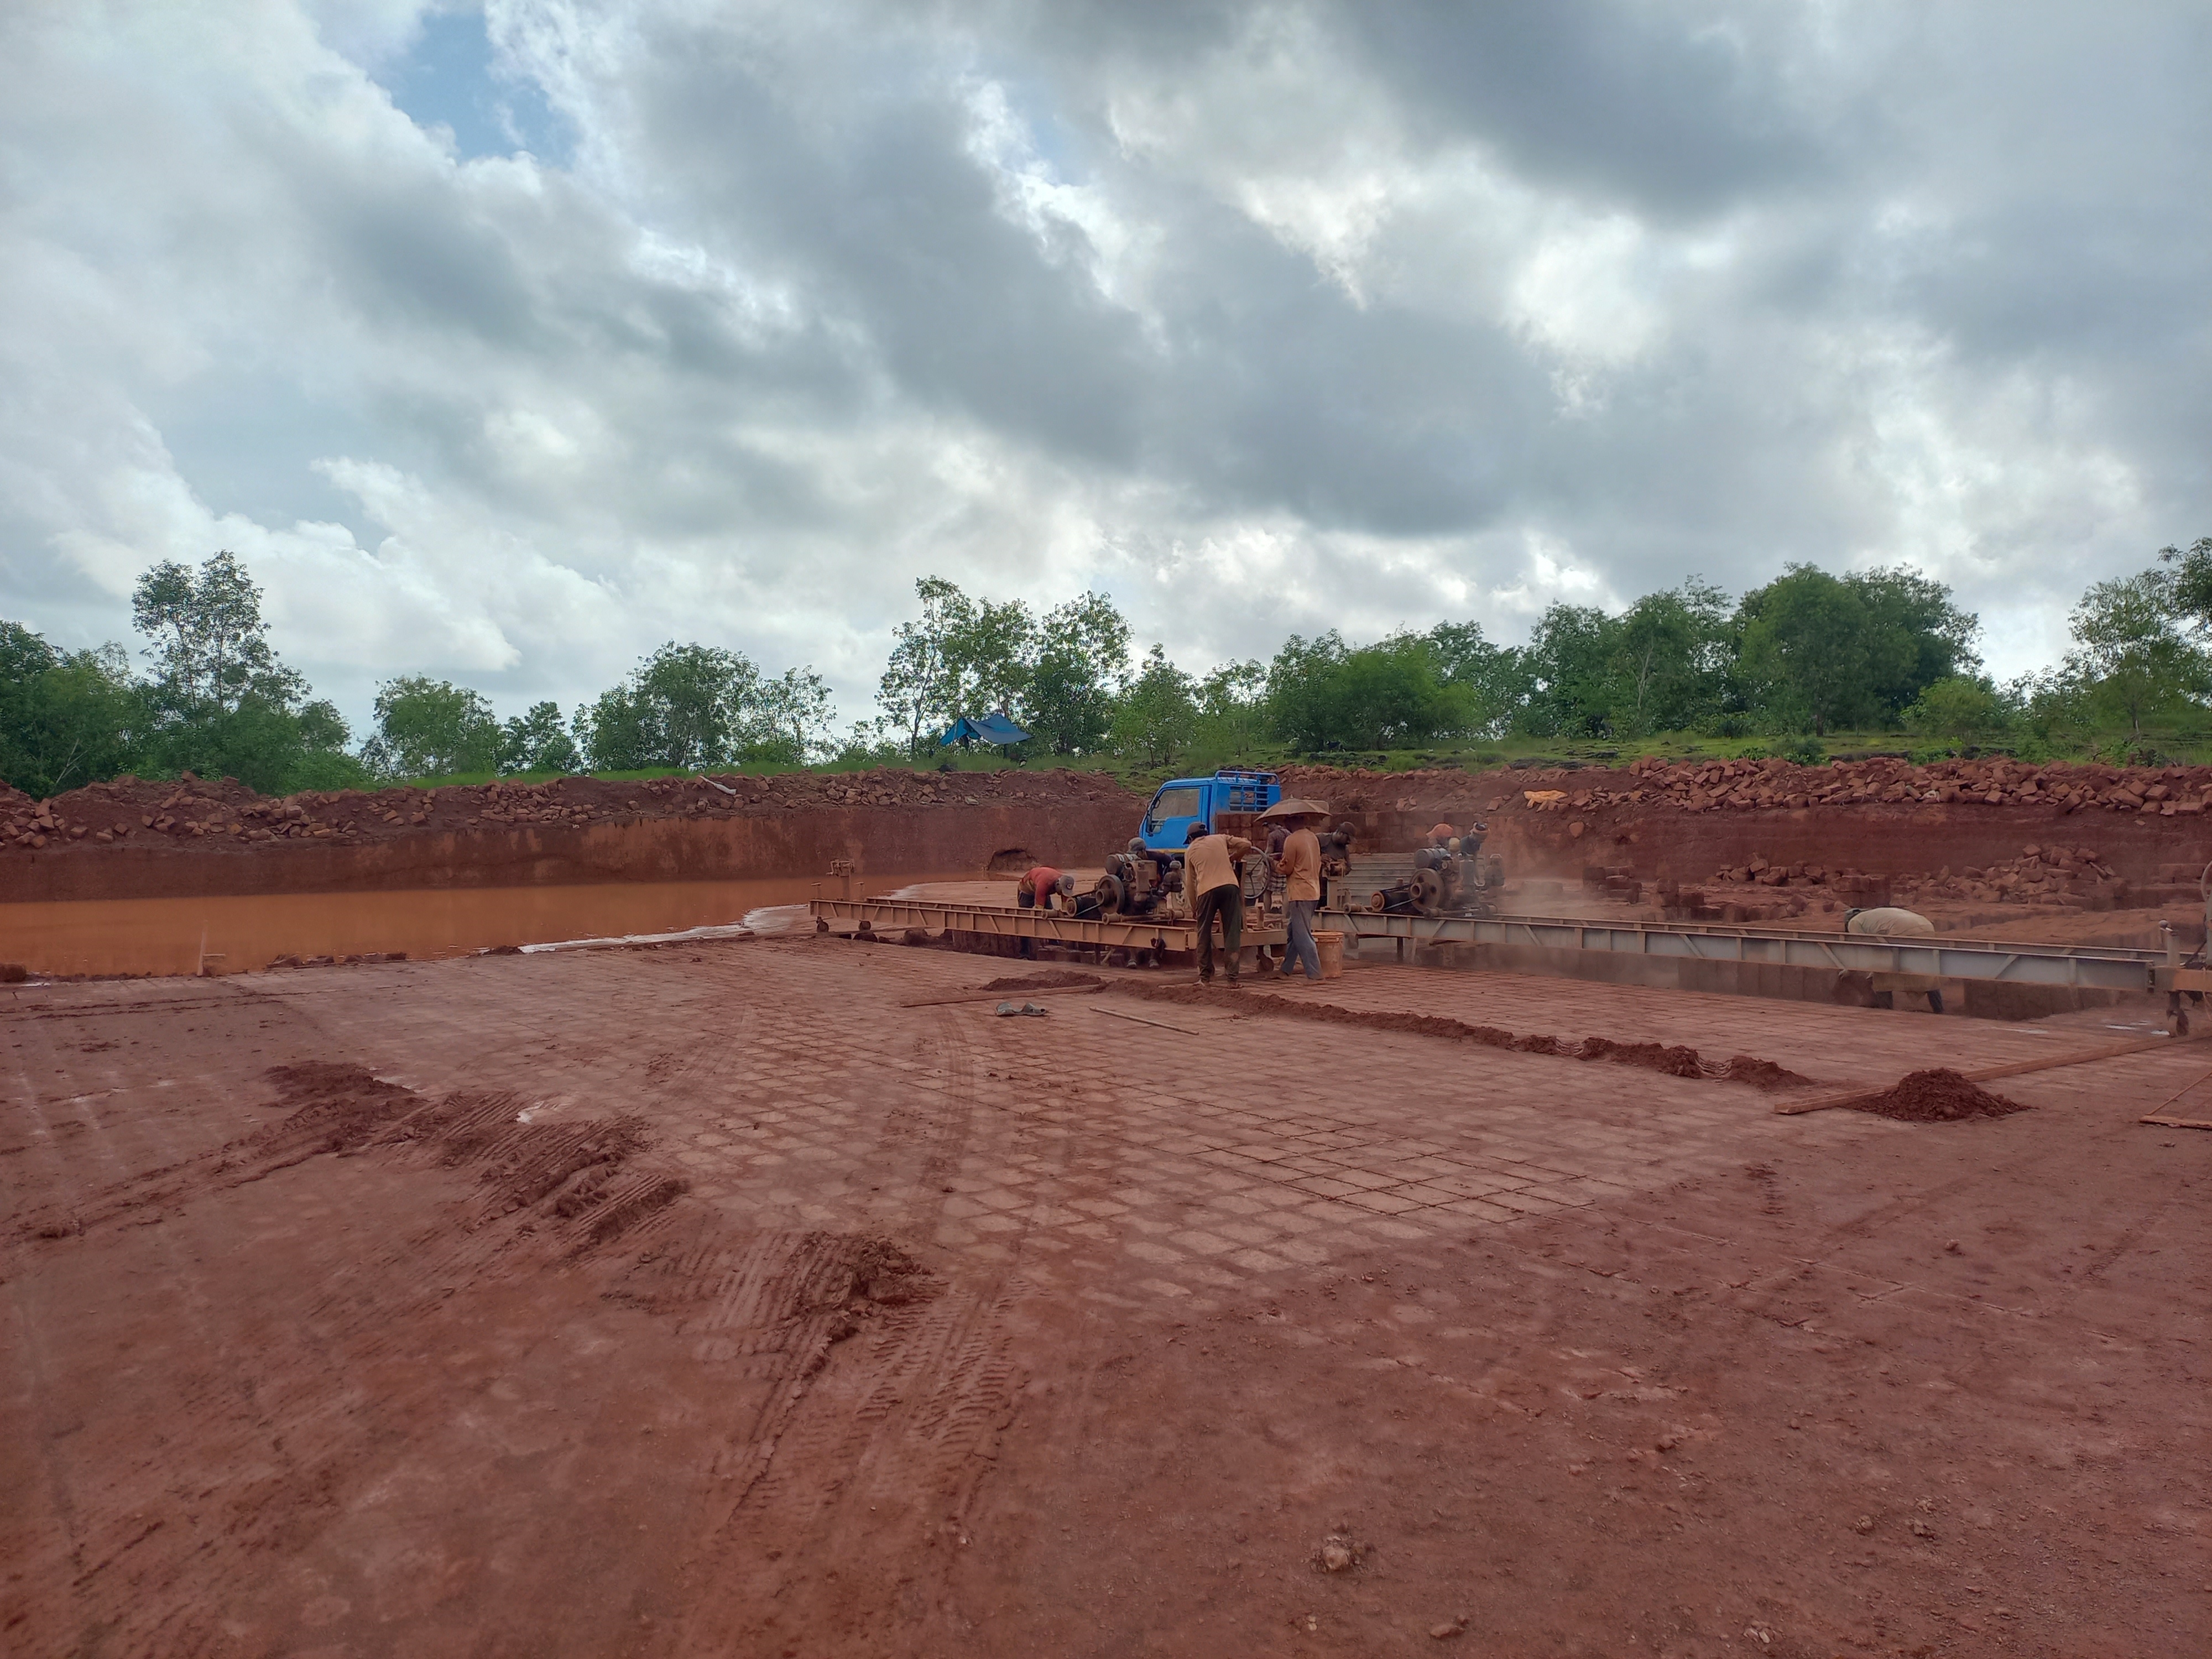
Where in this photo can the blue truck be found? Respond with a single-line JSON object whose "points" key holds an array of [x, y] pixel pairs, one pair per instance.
{"points": [[1140, 878], [1229, 800]]}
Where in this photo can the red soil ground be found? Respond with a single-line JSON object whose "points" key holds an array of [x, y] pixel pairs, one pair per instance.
{"points": [[711, 1300]]}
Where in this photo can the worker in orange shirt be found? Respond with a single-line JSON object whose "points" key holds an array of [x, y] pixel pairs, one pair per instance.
{"points": [[1212, 883], [1035, 889]]}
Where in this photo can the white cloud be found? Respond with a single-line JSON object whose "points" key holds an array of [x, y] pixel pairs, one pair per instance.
{"points": [[1265, 317]]}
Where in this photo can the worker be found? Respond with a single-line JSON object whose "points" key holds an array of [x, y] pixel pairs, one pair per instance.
{"points": [[1440, 835], [1034, 891], [1888, 921], [1271, 897], [1210, 883], [1300, 864]]}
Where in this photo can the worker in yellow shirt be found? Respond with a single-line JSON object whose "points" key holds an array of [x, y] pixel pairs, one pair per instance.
{"points": [[1300, 864], [1211, 882]]}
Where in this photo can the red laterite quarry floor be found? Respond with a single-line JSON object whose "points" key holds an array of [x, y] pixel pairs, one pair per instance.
{"points": [[752, 1298]]}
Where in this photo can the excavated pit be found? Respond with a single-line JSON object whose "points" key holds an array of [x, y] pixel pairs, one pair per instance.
{"points": [[192, 877]]}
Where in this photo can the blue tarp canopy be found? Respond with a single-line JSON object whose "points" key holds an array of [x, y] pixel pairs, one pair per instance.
{"points": [[990, 728]]}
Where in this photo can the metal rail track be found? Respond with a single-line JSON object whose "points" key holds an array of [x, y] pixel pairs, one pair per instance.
{"points": [[2113, 967], [2000, 961], [1004, 921]]}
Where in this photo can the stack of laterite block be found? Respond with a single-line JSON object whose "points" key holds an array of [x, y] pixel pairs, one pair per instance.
{"points": [[1618, 883]]}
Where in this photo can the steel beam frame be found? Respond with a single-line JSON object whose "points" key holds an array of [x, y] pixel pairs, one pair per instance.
{"points": [[2002, 961], [1998, 961], [1001, 921]]}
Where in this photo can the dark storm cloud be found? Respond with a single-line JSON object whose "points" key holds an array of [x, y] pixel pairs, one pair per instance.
{"points": [[1629, 101]]}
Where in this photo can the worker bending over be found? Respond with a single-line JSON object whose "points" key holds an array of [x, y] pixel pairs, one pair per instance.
{"points": [[1888, 921], [1210, 882], [1035, 890]]}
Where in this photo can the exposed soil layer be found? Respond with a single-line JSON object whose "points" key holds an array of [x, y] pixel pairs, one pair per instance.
{"points": [[1771, 839], [129, 839], [1777, 822], [1938, 1095], [714, 1301], [1674, 1060]]}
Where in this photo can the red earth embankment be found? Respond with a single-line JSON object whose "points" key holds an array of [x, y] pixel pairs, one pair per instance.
{"points": [[1685, 822], [129, 839], [1688, 822]]}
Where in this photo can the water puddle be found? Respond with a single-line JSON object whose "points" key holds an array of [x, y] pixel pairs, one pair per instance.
{"points": [[236, 934]]}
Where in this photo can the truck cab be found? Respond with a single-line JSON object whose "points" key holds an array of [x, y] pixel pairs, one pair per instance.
{"points": [[1238, 794]]}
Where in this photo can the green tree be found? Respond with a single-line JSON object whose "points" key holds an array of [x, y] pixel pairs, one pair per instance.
{"points": [[1232, 714], [1495, 677], [2129, 652], [1573, 659], [220, 703], [1324, 694], [793, 718], [1154, 719], [539, 741], [1670, 657], [1961, 707], [921, 681], [1916, 636], [1819, 652], [210, 649], [2189, 583], [688, 705], [1807, 656], [428, 728], [66, 718], [1082, 657], [989, 656]]}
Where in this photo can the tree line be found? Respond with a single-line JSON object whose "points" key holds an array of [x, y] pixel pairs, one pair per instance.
{"points": [[1808, 654], [214, 700]]}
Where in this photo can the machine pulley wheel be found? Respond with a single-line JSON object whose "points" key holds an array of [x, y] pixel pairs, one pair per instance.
{"points": [[1429, 890]]}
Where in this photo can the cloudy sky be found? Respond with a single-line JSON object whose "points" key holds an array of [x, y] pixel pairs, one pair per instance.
{"points": [[507, 341]]}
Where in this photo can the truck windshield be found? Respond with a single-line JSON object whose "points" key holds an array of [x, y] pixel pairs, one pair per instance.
{"points": [[1172, 803]]}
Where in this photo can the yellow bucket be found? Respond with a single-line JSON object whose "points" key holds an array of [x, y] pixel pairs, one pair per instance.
{"points": [[1331, 946]]}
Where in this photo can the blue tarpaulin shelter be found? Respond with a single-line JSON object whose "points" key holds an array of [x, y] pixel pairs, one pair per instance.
{"points": [[990, 728]]}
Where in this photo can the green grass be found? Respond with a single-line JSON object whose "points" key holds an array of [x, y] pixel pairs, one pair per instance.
{"points": [[2164, 747]]}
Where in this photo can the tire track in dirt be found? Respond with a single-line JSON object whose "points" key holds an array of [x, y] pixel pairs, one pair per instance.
{"points": [[100, 1532], [278, 1446], [875, 1474], [881, 1470], [770, 1310]]}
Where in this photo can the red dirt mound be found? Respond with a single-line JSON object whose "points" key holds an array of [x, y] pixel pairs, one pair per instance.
{"points": [[1051, 980], [1762, 1074], [1672, 1060], [1675, 1060], [1939, 1095]]}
